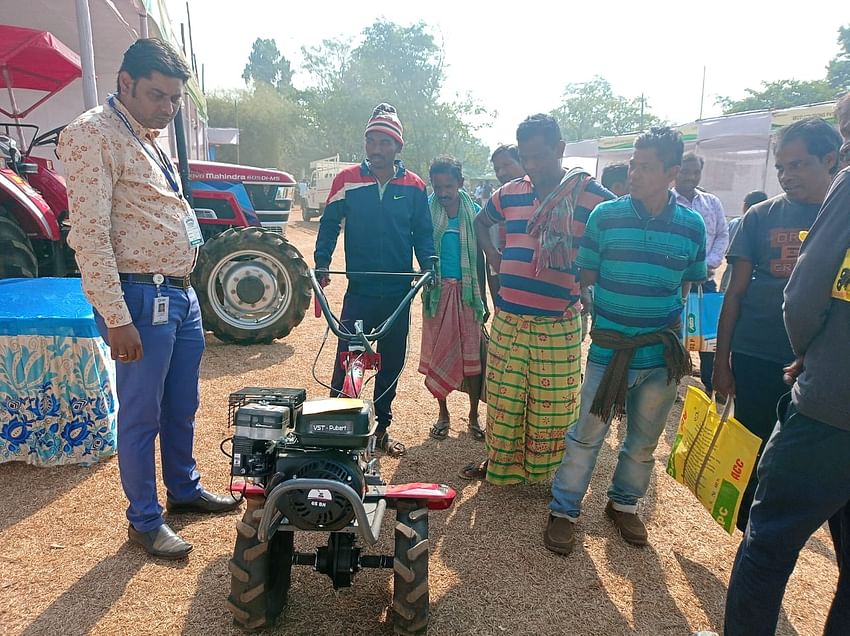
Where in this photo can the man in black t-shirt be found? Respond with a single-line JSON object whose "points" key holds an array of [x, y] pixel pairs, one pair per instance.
{"points": [[752, 346]]}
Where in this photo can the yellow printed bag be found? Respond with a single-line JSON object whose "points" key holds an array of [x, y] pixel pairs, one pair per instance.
{"points": [[714, 456]]}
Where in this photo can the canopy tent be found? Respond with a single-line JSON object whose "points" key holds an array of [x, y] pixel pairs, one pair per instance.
{"points": [[738, 150], [36, 61], [115, 25]]}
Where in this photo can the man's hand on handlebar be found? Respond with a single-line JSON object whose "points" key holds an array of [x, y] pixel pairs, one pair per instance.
{"points": [[434, 269], [323, 277]]}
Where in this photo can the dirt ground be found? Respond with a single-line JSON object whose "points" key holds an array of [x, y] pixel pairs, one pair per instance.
{"points": [[66, 567]]}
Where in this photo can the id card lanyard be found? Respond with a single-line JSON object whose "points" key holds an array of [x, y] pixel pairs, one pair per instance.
{"points": [[190, 223], [193, 230], [165, 166]]}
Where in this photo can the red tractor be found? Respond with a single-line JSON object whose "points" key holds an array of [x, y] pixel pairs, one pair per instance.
{"points": [[252, 284]]}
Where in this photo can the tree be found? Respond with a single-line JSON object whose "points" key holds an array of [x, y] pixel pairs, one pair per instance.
{"points": [[268, 123], [791, 92], [288, 128], [267, 65], [838, 71], [780, 94], [348, 83], [591, 109], [327, 63]]}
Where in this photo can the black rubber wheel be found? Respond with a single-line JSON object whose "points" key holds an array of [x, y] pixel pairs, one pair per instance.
{"points": [[17, 258], [307, 214], [252, 284], [410, 580], [260, 573]]}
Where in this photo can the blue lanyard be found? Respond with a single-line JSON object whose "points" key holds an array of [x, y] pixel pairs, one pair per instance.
{"points": [[164, 165]]}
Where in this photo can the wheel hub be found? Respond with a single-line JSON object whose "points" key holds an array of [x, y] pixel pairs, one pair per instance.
{"points": [[250, 290]]}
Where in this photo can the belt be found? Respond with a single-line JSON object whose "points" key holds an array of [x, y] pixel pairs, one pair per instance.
{"points": [[183, 282]]}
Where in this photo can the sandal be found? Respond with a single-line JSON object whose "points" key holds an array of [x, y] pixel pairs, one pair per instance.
{"points": [[440, 429], [475, 429], [390, 447], [476, 471]]}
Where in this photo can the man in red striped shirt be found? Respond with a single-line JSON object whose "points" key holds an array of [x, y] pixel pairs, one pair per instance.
{"points": [[534, 357]]}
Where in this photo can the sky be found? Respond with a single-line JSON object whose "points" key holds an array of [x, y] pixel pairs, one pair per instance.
{"points": [[517, 60]]}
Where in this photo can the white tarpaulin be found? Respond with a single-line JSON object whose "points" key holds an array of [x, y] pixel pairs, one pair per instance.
{"points": [[737, 149]]}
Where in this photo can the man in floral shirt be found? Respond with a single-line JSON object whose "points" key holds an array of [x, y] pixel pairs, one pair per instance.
{"points": [[136, 241]]}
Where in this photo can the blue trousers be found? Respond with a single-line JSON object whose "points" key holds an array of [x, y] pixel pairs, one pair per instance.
{"points": [[373, 310], [158, 395], [803, 480]]}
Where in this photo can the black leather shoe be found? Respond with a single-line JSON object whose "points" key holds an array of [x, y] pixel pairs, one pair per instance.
{"points": [[162, 542], [206, 502]]}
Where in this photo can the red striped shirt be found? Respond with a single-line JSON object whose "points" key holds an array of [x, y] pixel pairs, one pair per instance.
{"points": [[522, 289]]}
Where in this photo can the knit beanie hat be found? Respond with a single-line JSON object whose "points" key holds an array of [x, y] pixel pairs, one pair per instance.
{"points": [[385, 120]]}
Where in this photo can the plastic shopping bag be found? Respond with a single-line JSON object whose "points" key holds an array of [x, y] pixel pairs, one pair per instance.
{"points": [[714, 456], [702, 313]]}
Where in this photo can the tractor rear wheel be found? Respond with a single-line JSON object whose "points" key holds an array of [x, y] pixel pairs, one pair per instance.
{"points": [[252, 284], [17, 258]]}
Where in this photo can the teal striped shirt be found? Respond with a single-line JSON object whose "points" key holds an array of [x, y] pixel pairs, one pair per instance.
{"points": [[641, 263]]}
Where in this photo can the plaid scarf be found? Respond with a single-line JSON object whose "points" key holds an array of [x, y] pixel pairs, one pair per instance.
{"points": [[470, 293], [610, 398], [552, 221]]}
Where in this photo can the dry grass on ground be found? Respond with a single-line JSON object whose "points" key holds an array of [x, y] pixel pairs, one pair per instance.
{"points": [[66, 567]]}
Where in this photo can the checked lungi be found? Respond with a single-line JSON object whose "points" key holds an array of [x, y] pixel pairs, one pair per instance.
{"points": [[451, 343], [533, 391]]}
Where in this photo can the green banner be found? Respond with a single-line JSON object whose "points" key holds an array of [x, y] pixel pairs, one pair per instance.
{"points": [[787, 116]]}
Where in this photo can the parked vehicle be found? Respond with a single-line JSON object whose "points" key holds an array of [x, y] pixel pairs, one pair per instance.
{"points": [[225, 194], [323, 172]]}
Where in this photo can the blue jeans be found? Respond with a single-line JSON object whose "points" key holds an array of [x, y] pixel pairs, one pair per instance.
{"points": [[648, 402], [804, 479], [158, 395]]}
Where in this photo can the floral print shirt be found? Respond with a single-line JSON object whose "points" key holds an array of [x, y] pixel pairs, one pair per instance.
{"points": [[125, 216]]}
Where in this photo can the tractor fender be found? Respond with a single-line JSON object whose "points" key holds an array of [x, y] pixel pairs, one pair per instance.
{"points": [[29, 207]]}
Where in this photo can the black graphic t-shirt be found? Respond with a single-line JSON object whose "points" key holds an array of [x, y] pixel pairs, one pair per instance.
{"points": [[769, 237]]}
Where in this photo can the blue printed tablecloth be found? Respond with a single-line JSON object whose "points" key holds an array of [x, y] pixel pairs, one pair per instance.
{"points": [[57, 403]]}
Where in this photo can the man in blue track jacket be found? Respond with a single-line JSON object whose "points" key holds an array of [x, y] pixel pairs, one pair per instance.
{"points": [[386, 218]]}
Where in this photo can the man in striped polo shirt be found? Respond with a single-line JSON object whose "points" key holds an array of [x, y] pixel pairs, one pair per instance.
{"points": [[534, 357], [641, 253]]}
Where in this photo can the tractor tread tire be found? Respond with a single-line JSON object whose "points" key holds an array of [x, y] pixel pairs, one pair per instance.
{"points": [[410, 566], [274, 246], [17, 258], [260, 574]]}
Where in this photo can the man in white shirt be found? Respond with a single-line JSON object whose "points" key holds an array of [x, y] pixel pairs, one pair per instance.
{"points": [[716, 234]]}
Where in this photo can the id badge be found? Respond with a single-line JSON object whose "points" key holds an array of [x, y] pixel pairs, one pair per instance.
{"points": [[160, 310], [193, 230]]}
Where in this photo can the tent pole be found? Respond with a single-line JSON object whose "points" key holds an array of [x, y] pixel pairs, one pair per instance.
{"points": [[14, 104], [86, 54]]}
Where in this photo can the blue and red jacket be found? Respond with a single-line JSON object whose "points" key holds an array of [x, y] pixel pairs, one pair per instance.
{"points": [[381, 233]]}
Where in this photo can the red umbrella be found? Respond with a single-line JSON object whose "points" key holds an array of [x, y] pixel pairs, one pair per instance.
{"points": [[34, 60]]}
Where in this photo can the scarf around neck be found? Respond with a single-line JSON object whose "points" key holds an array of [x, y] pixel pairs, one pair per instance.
{"points": [[471, 295], [551, 223]]}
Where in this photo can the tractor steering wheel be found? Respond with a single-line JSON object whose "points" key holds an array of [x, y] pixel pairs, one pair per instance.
{"points": [[51, 137]]}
